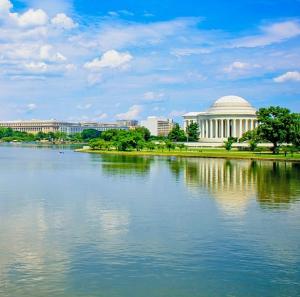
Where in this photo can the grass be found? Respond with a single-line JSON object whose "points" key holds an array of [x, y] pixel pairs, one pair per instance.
{"points": [[204, 153]]}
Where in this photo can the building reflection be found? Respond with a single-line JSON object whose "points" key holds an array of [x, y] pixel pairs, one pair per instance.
{"points": [[233, 183]]}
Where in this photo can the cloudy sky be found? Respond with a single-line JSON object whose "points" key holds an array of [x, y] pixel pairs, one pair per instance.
{"points": [[107, 60]]}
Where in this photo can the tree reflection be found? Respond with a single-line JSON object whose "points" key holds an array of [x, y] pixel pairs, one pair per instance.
{"points": [[277, 183], [232, 183], [123, 165]]}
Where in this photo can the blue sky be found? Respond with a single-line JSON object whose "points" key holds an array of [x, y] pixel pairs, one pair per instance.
{"points": [[105, 60]]}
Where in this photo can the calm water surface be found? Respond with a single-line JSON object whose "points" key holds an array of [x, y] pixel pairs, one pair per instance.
{"points": [[88, 225]]}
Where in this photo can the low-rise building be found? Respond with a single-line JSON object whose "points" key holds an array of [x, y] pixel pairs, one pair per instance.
{"points": [[46, 126], [158, 126]]}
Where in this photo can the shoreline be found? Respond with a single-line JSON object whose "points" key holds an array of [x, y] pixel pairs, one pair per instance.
{"points": [[202, 154]]}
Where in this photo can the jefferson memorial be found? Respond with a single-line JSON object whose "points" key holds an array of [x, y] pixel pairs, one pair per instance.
{"points": [[229, 116]]}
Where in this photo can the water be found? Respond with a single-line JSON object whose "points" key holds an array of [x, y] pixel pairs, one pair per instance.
{"points": [[86, 225]]}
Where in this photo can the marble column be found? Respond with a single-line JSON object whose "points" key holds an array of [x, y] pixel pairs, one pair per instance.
{"points": [[234, 128], [222, 128], [246, 126], [206, 128], [216, 128], [227, 128], [210, 128]]}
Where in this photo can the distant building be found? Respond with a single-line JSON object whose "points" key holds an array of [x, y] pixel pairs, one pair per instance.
{"points": [[229, 116], [127, 123], [158, 126], [45, 126]]}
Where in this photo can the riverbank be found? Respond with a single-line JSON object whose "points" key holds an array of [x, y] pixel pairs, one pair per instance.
{"points": [[203, 153]]}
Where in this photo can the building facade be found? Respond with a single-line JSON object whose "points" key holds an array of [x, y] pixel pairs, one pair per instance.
{"points": [[229, 116], [36, 126], [158, 126]]}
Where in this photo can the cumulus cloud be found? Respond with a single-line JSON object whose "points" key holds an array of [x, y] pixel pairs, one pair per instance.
{"points": [[133, 113], [47, 53], [31, 18], [110, 59], [288, 76], [270, 34], [5, 6], [63, 21]]}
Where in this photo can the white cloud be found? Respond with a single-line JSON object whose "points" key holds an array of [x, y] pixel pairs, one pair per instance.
{"points": [[84, 106], [110, 59], [176, 113], [288, 76], [274, 33], [101, 116], [131, 114], [31, 18], [31, 106], [47, 54], [37, 67], [182, 52], [5, 6], [153, 97], [63, 21]]}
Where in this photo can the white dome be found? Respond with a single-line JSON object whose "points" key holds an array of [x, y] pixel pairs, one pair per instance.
{"points": [[231, 105]]}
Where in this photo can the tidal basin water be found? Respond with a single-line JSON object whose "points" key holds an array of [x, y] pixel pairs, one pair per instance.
{"points": [[86, 225]]}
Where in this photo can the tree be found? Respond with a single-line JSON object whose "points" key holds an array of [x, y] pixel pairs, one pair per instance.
{"points": [[295, 134], [144, 132], [192, 131], [88, 134], [170, 145], [252, 137], [97, 144], [230, 141], [177, 134], [181, 146], [275, 125]]}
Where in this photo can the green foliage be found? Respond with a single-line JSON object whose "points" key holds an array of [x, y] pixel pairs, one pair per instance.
{"points": [[169, 145], [295, 133], [181, 146], [228, 144], [252, 137], [144, 132], [88, 134], [192, 132], [177, 134], [276, 125]]}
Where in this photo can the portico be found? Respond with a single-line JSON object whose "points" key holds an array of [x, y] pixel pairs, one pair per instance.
{"points": [[229, 116]]}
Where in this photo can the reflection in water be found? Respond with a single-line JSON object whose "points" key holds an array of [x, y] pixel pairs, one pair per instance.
{"points": [[228, 181], [233, 183], [124, 165], [277, 183], [75, 226]]}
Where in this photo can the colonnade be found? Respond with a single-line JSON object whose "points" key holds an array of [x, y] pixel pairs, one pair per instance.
{"points": [[224, 128]]}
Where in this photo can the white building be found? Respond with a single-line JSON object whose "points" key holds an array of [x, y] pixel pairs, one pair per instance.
{"points": [[158, 126], [229, 116]]}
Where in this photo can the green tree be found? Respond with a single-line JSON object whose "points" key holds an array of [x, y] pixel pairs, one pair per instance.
{"points": [[275, 125], [88, 134], [295, 133], [192, 132], [252, 137], [170, 145], [177, 134], [228, 144], [144, 132]]}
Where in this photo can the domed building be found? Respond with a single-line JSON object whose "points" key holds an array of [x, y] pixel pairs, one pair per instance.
{"points": [[229, 116]]}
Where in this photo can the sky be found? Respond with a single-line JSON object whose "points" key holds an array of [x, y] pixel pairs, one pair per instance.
{"points": [[105, 60]]}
